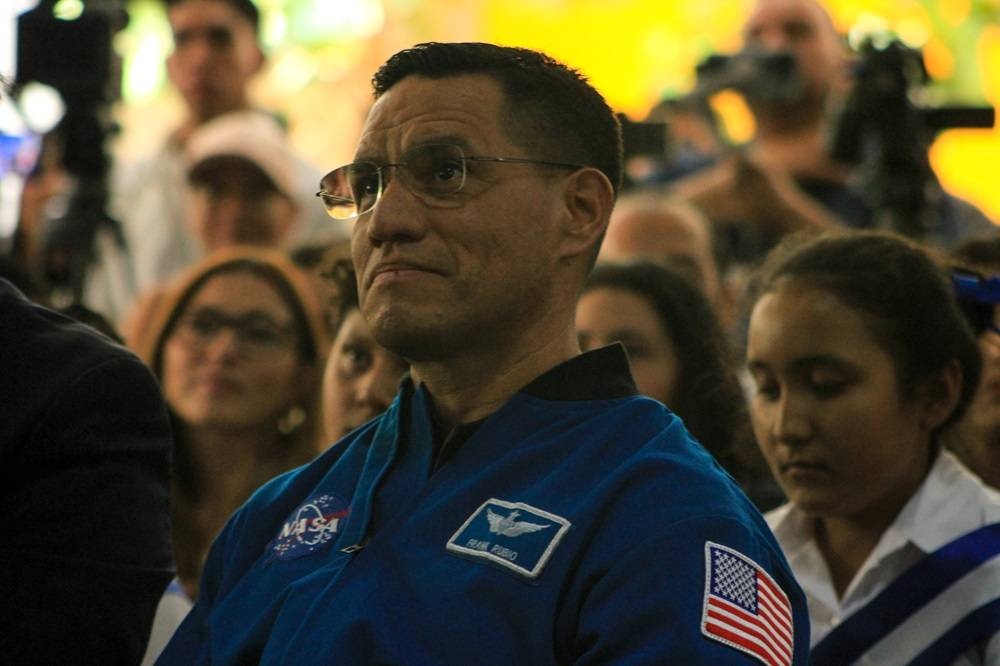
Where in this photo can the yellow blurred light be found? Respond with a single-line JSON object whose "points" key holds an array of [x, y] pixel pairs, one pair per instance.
{"points": [[274, 29], [68, 10], [735, 115], [145, 44], [955, 12], [912, 32], [869, 26], [293, 70], [319, 21], [938, 59], [988, 49], [960, 158]]}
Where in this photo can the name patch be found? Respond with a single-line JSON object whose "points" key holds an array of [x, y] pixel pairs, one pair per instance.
{"points": [[514, 535], [313, 525]]}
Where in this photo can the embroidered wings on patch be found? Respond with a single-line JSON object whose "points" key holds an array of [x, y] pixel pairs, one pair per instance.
{"points": [[744, 608], [515, 535]]}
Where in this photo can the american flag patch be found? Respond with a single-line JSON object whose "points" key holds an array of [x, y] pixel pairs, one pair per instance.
{"points": [[744, 608]]}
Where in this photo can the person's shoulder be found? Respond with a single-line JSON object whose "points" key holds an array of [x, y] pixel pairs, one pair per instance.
{"points": [[660, 474], [33, 334], [44, 354]]}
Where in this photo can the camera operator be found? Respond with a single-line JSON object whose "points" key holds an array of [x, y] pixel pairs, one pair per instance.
{"points": [[785, 179]]}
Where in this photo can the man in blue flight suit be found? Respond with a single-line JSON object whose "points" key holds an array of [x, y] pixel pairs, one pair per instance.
{"points": [[518, 503]]}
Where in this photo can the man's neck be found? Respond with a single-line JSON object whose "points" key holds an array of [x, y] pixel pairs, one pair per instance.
{"points": [[193, 121], [800, 150], [471, 386]]}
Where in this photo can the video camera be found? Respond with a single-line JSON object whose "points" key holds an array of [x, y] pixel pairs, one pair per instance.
{"points": [[69, 47], [768, 77], [886, 134]]}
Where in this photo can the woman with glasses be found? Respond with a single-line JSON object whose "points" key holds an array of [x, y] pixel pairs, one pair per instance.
{"points": [[862, 359], [238, 344]]}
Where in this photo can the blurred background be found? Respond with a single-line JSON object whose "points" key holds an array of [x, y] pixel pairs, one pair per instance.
{"points": [[637, 52]]}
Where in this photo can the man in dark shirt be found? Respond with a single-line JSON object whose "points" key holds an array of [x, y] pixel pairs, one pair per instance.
{"points": [[84, 492], [786, 179]]}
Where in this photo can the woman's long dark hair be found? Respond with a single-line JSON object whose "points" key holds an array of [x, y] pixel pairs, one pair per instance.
{"points": [[708, 396]]}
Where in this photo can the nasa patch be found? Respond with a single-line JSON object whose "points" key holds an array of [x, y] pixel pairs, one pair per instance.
{"points": [[312, 526], [514, 535]]}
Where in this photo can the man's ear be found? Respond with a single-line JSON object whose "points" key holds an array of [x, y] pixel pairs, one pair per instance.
{"points": [[289, 216], [941, 394], [171, 65], [260, 61], [588, 199]]}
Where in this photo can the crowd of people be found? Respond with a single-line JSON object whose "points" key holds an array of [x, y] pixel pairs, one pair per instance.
{"points": [[474, 400]]}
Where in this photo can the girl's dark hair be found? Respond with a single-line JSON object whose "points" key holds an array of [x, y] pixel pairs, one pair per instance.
{"points": [[906, 298], [708, 396]]}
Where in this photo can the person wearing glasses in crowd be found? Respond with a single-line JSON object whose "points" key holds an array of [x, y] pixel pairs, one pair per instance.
{"points": [[862, 361], [238, 344], [518, 503]]}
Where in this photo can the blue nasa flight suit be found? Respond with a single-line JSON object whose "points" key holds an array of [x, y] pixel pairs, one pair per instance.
{"points": [[568, 527]]}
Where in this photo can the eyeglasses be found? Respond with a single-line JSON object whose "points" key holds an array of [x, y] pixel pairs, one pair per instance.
{"points": [[258, 336], [432, 172]]}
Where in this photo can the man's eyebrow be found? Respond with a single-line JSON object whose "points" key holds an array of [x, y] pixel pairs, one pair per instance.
{"points": [[378, 157], [441, 139], [252, 313], [212, 30]]}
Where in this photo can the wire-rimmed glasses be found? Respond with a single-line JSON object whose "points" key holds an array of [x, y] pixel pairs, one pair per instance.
{"points": [[433, 172]]}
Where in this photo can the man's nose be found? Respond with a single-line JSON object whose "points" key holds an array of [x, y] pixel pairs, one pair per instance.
{"points": [[223, 345], [398, 216], [772, 39], [197, 52]]}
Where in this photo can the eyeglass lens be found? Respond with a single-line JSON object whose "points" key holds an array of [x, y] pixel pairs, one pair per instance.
{"points": [[434, 172], [256, 333]]}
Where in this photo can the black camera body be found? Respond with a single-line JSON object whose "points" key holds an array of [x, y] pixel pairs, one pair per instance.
{"points": [[73, 56], [882, 131], [758, 75]]}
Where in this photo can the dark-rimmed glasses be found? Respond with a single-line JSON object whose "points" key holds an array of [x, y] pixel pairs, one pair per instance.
{"points": [[257, 335], [432, 172]]}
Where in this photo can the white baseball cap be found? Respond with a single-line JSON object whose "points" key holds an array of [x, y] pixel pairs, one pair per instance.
{"points": [[250, 135]]}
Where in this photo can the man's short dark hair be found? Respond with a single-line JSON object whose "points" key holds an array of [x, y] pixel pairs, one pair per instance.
{"points": [[245, 8], [548, 105]]}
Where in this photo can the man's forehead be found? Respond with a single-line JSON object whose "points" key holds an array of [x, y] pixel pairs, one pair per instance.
{"points": [[784, 11], [463, 109], [206, 15]]}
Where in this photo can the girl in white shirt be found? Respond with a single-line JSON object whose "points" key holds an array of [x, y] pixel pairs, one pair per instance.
{"points": [[861, 357]]}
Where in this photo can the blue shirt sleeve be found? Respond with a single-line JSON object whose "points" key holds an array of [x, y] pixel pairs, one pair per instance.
{"points": [[648, 607]]}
